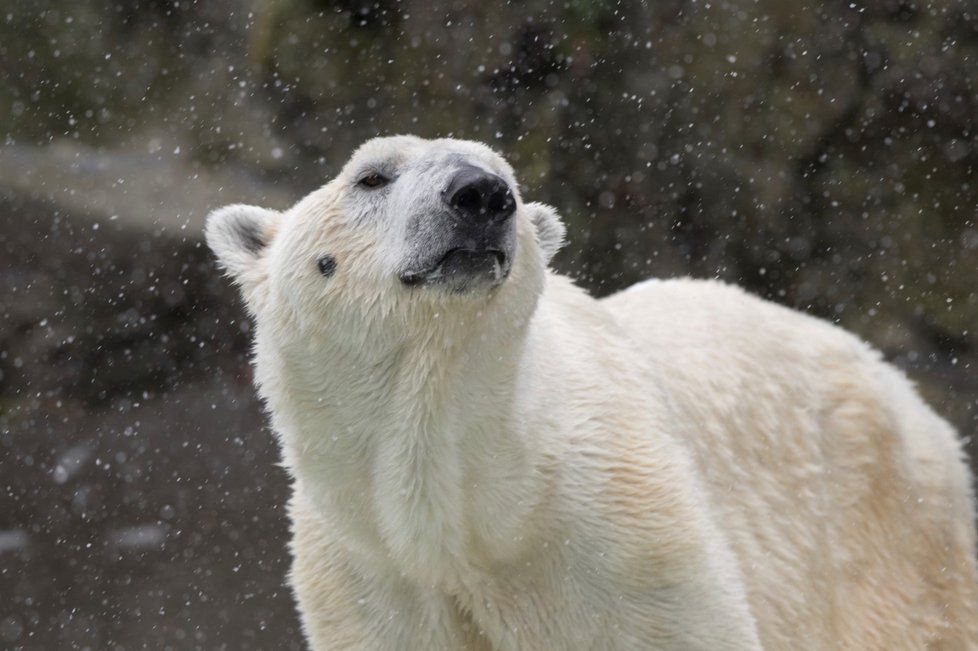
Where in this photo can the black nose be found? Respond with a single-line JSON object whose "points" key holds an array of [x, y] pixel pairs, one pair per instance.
{"points": [[477, 194]]}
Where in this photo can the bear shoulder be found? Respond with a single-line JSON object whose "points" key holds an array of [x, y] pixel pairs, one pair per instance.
{"points": [[717, 318]]}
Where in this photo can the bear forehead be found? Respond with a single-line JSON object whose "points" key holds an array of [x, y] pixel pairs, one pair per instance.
{"points": [[402, 150]]}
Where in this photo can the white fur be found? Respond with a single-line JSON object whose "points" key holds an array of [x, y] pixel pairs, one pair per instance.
{"points": [[679, 466]]}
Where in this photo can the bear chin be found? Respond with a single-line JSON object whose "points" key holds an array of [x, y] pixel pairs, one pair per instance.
{"points": [[462, 270]]}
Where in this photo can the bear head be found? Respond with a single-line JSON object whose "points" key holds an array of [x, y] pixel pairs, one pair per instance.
{"points": [[412, 237]]}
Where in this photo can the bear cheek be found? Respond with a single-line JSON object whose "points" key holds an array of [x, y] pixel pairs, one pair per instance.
{"points": [[327, 265]]}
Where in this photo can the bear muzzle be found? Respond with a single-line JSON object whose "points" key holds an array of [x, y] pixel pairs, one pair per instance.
{"points": [[469, 243]]}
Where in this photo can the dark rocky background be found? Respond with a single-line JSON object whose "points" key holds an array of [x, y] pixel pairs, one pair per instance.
{"points": [[821, 154]]}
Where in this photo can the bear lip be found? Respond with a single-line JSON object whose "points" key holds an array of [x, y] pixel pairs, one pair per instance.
{"points": [[460, 262]]}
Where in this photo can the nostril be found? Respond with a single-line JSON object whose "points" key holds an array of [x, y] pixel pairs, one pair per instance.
{"points": [[500, 202], [468, 199]]}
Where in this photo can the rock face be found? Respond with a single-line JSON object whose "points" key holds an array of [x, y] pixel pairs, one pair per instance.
{"points": [[823, 156], [141, 500]]}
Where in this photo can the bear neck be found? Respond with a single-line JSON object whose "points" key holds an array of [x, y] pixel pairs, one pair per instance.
{"points": [[404, 447]]}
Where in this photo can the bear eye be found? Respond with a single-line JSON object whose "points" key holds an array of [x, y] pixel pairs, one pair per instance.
{"points": [[373, 180]]}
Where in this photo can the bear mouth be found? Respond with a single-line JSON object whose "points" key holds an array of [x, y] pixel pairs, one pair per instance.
{"points": [[462, 267]]}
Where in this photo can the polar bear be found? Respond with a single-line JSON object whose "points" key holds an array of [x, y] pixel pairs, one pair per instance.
{"points": [[485, 457]]}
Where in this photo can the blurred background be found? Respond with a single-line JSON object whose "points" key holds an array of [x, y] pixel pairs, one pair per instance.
{"points": [[822, 154]]}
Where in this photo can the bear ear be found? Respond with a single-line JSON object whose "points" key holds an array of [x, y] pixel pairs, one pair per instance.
{"points": [[550, 230], [238, 235]]}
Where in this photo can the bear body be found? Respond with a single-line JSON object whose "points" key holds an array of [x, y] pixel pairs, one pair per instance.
{"points": [[485, 457], [846, 497]]}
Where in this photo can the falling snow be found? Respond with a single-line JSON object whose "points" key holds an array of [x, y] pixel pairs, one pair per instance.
{"points": [[822, 155]]}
